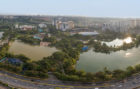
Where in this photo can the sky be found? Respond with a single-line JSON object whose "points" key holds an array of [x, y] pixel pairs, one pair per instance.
{"points": [[92, 8]]}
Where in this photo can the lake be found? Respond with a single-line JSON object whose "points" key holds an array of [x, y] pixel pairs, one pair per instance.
{"points": [[33, 52], [93, 62], [89, 61]]}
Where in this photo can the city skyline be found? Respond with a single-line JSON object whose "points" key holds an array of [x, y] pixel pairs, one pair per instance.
{"points": [[89, 8]]}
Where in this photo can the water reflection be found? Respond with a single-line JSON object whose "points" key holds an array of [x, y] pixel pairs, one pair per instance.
{"points": [[128, 54], [128, 40], [119, 42], [93, 62]]}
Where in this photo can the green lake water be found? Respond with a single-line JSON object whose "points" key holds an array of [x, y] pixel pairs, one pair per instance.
{"points": [[33, 52]]}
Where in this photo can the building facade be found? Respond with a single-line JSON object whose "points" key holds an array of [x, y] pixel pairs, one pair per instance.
{"points": [[64, 25]]}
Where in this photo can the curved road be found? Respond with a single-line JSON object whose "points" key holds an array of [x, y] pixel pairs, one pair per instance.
{"points": [[51, 83]]}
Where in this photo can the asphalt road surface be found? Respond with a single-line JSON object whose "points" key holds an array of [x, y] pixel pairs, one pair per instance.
{"points": [[51, 83]]}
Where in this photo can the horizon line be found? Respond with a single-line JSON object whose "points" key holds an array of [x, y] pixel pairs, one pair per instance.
{"points": [[122, 17]]}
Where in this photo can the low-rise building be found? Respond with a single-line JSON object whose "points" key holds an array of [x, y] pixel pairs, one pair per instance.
{"points": [[39, 36], [26, 27], [48, 35], [1, 34], [40, 30], [88, 33], [14, 61], [42, 25], [2, 42], [16, 26], [44, 43], [85, 48]]}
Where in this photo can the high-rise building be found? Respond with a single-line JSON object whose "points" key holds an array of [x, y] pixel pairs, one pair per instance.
{"points": [[64, 25], [70, 24]]}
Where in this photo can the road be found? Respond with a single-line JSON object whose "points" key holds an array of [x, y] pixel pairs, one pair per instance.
{"points": [[3, 87], [51, 83]]}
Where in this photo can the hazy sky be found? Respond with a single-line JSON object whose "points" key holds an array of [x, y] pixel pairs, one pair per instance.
{"points": [[94, 8]]}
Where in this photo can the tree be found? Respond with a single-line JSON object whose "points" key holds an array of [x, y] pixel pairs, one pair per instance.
{"points": [[119, 74], [129, 71], [90, 76], [23, 58], [30, 66], [137, 68], [60, 57]]}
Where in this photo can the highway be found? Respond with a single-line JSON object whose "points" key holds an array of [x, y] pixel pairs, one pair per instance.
{"points": [[51, 83]]}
